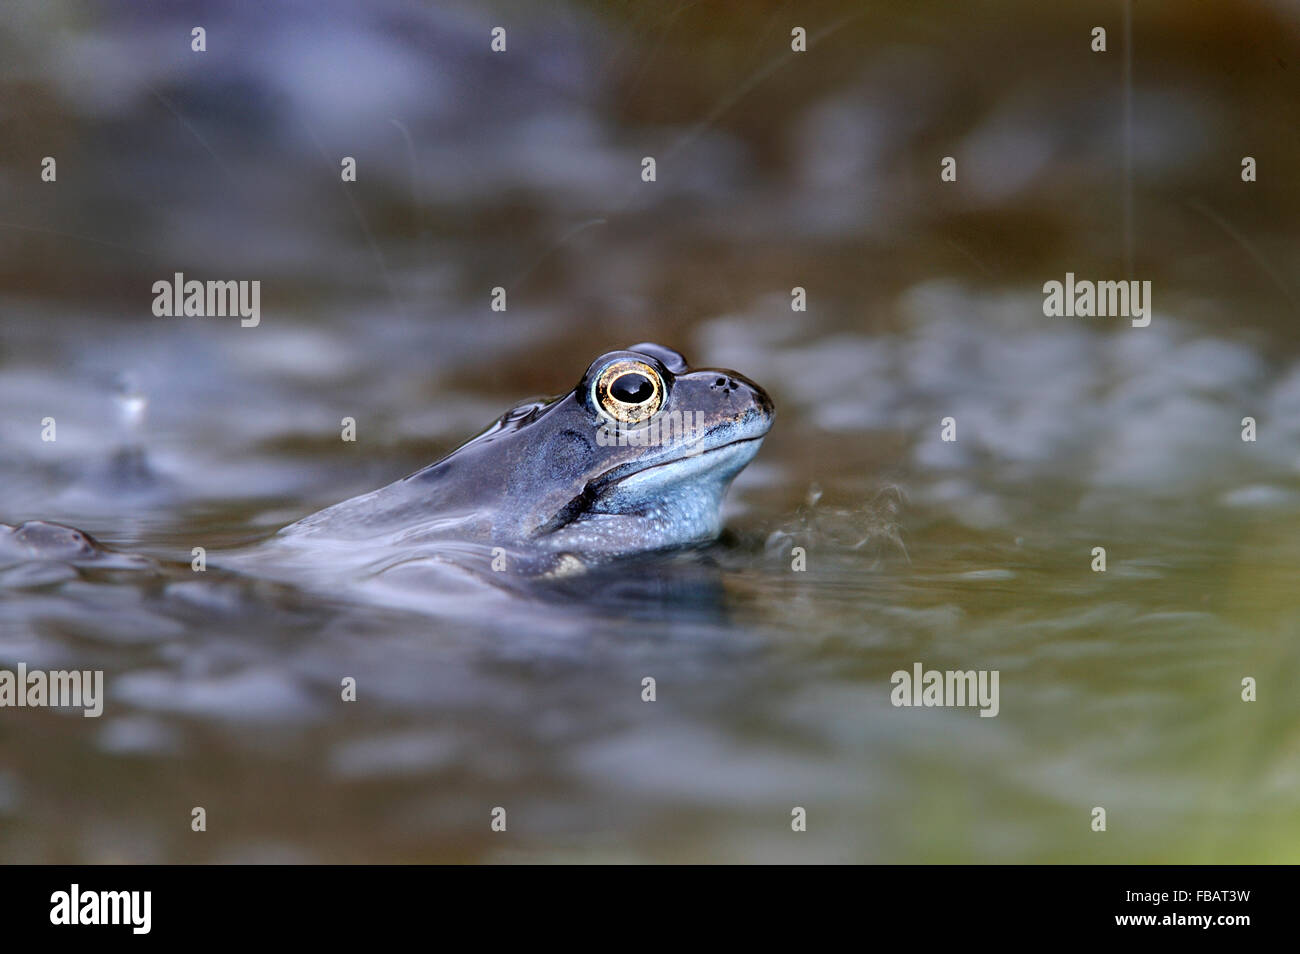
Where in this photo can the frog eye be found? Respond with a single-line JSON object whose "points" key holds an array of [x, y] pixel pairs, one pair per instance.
{"points": [[629, 391]]}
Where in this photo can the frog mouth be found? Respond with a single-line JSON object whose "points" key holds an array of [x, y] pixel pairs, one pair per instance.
{"points": [[628, 490], [626, 472]]}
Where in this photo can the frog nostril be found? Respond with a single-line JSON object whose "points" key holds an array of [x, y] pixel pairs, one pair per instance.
{"points": [[720, 383]]}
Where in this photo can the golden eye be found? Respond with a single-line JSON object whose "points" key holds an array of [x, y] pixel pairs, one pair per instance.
{"points": [[629, 391]]}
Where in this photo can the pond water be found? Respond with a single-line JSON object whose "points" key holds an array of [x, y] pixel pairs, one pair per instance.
{"points": [[859, 543]]}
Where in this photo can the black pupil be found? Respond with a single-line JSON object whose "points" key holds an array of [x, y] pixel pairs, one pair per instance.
{"points": [[632, 388]]}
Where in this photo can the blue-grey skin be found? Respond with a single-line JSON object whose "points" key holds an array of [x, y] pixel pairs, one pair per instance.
{"points": [[543, 480]]}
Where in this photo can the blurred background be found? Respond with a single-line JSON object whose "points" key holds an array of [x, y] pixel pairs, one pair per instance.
{"points": [[775, 169]]}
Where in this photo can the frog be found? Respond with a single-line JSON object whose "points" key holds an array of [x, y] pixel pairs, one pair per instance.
{"points": [[636, 458], [633, 461]]}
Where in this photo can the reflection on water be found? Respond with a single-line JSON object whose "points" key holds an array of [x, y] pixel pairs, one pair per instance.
{"points": [[522, 171]]}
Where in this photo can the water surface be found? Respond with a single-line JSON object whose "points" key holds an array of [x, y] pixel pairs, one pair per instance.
{"points": [[522, 170]]}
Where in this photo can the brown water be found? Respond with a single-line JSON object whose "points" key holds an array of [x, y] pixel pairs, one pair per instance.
{"points": [[522, 170]]}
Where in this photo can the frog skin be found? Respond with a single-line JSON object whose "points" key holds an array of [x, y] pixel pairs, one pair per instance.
{"points": [[636, 458]]}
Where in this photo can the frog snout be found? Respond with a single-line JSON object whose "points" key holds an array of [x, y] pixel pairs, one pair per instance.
{"points": [[740, 383], [745, 399]]}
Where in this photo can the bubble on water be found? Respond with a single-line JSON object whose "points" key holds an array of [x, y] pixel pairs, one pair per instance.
{"points": [[131, 401]]}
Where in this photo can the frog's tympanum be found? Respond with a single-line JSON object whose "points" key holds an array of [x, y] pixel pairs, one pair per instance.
{"points": [[636, 458]]}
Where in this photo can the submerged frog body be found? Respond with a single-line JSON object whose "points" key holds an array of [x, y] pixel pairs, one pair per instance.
{"points": [[636, 458]]}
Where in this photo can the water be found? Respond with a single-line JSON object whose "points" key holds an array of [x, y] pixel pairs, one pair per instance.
{"points": [[1119, 689]]}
